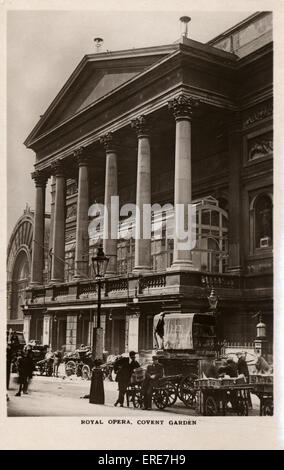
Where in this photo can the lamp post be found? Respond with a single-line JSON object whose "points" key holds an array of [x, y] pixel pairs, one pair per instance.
{"points": [[260, 342], [99, 263]]}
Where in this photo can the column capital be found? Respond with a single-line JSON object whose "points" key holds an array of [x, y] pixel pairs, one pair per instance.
{"points": [[81, 155], [182, 106], [108, 141], [57, 168], [141, 126], [40, 178]]}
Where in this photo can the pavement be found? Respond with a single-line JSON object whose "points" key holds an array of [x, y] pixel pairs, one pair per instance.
{"points": [[62, 396]]}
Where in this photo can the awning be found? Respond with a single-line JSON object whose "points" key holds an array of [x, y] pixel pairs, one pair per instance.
{"points": [[84, 307]]}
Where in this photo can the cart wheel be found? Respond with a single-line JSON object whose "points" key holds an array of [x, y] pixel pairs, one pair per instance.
{"points": [[186, 392], [161, 398], [172, 392], [70, 368], [267, 409], [86, 372], [210, 406], [242, 407], [137, 399]]}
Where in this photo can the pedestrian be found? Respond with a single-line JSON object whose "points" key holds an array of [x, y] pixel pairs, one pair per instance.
{"points": [[29, 368], [124, 367], [23, 370], [230, 369], [160, 331], [8, 364], [153, 373], [242, 365], [97, 394], [56, 362]]}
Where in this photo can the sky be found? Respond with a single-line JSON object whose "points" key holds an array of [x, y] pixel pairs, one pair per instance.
{"points": [[45, 46]]}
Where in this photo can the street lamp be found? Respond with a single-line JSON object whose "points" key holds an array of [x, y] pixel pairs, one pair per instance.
{"points": [[99, 263]]}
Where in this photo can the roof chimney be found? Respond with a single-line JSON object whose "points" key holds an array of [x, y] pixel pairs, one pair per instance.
{"points": [[184, 24], [98, 42]]}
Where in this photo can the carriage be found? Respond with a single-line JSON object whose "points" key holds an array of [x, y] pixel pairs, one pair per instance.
{"points": [[186, 345], [79, 363]]}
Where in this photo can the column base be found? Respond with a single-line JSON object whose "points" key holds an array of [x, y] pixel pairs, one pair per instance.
{"points": [[36, 284], [142, 269], [182, 266], [56, 281]]}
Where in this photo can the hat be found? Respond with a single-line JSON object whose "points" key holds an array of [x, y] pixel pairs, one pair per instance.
{"points": [[155, 357], [132, 353]]}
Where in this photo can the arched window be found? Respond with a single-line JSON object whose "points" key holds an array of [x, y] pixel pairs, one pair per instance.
{"points": [[20, 280], [261, 221]]}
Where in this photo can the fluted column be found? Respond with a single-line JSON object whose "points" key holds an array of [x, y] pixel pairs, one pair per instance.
{"points": [[82, 237], [182, 108], [38, 233], [110, 219], [58, 241], [143, 197]]}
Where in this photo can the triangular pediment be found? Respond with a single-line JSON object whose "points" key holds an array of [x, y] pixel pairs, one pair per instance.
{"points": [[94, 78], [86, 91]]}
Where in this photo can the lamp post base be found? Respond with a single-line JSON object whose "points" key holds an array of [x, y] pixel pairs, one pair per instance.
{"points": [[97, 352]]}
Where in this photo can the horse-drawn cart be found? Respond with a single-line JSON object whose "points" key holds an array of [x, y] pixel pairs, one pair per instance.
{"points": [[263, 389], [223, 396]]}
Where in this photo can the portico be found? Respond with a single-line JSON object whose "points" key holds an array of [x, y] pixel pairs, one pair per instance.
{"points": [[171, 132]]}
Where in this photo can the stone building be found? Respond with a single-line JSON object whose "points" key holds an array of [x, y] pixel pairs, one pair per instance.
{"points": [[174, 124]]}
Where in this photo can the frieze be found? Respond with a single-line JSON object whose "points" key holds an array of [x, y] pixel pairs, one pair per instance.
{"points": [[260, 146], [259, 114]]}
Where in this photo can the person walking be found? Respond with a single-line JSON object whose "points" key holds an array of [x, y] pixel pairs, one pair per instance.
{"points": [[29, 369], [56, 362], [124, 366], [97, 394], [154, 372], [23, 370]]}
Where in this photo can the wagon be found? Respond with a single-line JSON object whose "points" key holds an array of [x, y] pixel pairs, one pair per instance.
{"points": [[79, 363], [160, 396], [185, 349], [216, 395], [263, 389]]}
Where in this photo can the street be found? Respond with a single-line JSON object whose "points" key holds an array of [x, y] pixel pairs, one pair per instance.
{"points": [[62, 396]]}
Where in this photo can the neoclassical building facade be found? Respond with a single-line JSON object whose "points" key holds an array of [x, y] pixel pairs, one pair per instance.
{"points": [[186, 123]]}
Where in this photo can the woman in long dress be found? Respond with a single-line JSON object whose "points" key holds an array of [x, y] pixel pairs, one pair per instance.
{"points": [[97, 394]]}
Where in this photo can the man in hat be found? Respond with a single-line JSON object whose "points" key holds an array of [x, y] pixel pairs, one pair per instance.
{"points": [[124, 367], [154, 372]]}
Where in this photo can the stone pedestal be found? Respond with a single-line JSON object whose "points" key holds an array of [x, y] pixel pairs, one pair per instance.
{"points": [[143, 198], [110, 215], [82, 238], [182, 108], [98, 343], [38, 232]]}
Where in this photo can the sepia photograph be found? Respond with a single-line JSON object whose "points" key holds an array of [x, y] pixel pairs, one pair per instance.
{"points": [[139, 254]]}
